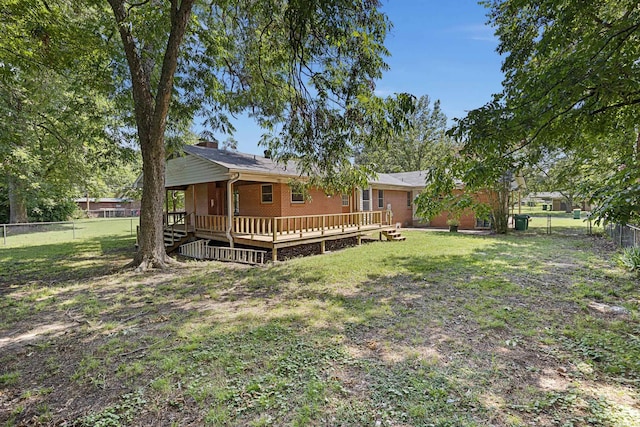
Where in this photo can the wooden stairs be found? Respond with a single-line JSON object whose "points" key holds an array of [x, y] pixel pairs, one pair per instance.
{"points": [[174, 238], [393, 235]]}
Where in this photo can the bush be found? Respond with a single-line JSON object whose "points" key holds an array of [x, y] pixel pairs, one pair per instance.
{"points": [[46, 209], [630, 259]]}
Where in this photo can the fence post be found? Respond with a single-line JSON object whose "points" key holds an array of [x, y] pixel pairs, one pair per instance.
{"points": [[621, 232]]}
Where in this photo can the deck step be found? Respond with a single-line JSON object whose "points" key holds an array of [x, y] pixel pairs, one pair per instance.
{"points": [[173, 237], [393, 235]]}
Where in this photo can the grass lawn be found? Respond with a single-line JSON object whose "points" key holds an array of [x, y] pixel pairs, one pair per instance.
{"points": [[83, 229], [440, 330]]}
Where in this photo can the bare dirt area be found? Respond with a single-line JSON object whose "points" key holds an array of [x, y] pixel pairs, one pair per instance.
{"points": [[440, 330]]}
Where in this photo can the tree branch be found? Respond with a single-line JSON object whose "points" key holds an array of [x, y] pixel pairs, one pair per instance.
{"points": [[180, 14]]}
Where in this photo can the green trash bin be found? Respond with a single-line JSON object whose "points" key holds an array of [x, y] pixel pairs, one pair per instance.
{"points": [[576, 214], [522, 222]]}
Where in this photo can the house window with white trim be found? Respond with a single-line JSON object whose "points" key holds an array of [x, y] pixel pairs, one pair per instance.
{"points": [[345, 200], [296, 197], [380, 199], [365, 200], [267, 193]]}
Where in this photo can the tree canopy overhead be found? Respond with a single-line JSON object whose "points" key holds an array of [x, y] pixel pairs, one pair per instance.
{"points": [[572, 85]]}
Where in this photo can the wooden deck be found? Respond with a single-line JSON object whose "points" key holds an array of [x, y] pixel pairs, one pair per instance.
{"points": [[279, 232]]}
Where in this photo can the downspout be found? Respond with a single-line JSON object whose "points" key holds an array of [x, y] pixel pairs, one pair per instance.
{"points": [[230, 208]]}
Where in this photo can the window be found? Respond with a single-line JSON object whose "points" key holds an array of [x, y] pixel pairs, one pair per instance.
{"points": [[483, 223], [267, 193], [296, 197], [365, 200], [409, 199], [380, 199], [345, 200]]}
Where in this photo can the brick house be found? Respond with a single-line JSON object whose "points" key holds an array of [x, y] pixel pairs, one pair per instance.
{"points": [[246, 199], [106, 207]]}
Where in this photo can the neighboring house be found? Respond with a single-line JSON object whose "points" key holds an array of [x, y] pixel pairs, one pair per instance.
{"points": [[107, 207], [557, 202], [246, 199]]}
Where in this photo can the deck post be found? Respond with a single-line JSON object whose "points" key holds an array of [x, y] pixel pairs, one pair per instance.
{"points": [[359, 239], [274, 254], [275, 229], [322, 246], [322, 232], [230, 217]]}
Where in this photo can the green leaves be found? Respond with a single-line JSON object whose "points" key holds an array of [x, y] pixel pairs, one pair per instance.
{"points": [[417, 146], [571, 88]]}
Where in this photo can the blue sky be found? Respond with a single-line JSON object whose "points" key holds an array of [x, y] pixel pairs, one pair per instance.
{"points": [[440, 48]]}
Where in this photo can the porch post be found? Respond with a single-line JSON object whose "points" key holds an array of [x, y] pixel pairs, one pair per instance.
{"points": [[230, 209]]}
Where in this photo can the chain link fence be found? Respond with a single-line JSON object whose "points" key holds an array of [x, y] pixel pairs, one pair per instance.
{"points": [[28, 234], [625, 236]]}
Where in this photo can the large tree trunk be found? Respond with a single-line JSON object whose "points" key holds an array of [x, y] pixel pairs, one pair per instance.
{"points": [[151, 250], [151, 116], [17, 202], [500, 209]]}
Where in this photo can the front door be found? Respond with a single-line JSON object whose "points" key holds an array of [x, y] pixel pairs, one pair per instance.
{"points": [[217, 200]]}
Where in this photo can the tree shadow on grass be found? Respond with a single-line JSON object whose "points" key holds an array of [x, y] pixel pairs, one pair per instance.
{"points": [[234, 345]]}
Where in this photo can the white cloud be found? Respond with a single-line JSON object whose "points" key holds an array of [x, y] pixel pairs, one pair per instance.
{"points": [[480, 32]]}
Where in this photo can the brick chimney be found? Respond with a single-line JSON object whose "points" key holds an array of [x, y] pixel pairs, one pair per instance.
{"points": [[208, 144]]}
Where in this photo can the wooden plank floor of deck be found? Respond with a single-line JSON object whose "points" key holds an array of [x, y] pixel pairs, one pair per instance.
{"points": [[294, 238]]}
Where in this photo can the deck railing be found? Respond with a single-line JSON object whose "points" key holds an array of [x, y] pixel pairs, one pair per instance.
{"points": [[276, 227], [211, 223], [201, 250], [175, 218]]}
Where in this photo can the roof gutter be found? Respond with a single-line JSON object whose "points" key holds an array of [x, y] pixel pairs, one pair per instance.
{"points": [[230, 208]]}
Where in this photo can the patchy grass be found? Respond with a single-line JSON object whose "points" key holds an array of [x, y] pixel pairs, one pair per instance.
{"points": [[441, 330]]}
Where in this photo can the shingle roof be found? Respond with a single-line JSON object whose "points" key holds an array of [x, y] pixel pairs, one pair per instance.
{"points": [[415, 179], [102, 200], [243, 162], [389, 179], [237, 161]]}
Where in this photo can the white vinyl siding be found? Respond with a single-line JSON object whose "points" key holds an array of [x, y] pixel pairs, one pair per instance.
{"points": [[193, 170]]}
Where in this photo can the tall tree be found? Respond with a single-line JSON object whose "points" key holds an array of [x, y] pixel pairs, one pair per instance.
{"points": [[571, 80], [304, 69], [418, 147], [58, 129], [53, 138]]}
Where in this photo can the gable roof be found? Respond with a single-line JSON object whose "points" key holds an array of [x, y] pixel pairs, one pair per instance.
{"points": [[241, 162]]}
